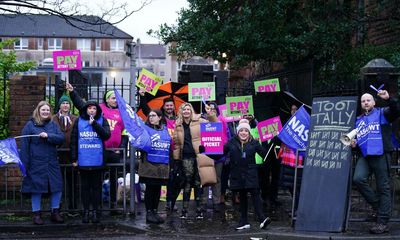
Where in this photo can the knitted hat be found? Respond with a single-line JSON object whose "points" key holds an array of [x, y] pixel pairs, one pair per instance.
{"points": [[243, 125], [64, 98], [244, 120]]}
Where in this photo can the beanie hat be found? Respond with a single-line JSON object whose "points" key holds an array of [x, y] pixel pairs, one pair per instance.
{"points": [[244, 120], [243, 125], [109, 93], [64, 98]]}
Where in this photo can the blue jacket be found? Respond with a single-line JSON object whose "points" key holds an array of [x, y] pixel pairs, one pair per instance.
{"points": [[39, 156]]}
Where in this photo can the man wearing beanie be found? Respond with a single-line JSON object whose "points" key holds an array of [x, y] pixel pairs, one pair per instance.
{"points": [[65, 120]]}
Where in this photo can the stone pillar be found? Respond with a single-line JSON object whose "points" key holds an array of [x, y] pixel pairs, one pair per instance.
{"points": [[25, 93]]}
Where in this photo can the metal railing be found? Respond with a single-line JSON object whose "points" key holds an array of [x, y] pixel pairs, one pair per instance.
{"points": [[13, 201]]}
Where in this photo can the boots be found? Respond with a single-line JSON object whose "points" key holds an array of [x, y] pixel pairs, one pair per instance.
{"points": [[95, 217], [151, 217], [158, 217], [85, 216], [55, 216], [37, 218]]}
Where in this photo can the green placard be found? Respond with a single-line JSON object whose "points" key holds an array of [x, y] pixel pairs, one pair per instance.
{"points": [[269, 85], [239, 106], [199, 91]]}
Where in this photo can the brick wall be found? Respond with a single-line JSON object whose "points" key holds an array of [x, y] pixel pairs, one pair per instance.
{"points": [[25, 93]]}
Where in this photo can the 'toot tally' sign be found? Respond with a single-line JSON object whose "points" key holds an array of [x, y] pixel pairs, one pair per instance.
{"points": [[199, 91], [238, 106], [211, 137], [270, 85], [269, 128], [148, 81], [67, 60]]}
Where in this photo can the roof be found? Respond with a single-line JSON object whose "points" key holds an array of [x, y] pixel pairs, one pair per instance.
{"points": [[151, 51], [41, 25]]}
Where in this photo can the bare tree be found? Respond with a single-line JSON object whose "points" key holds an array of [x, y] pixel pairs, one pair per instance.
{"points": [[85, 15]]}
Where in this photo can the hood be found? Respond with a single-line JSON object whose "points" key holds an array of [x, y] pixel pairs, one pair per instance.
{"points": [[84, 114]]}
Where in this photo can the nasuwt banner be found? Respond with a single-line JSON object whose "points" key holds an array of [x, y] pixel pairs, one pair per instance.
{"points": [[9, 154], [67, 60], [224, 112], [239, 106], [327, 166], [211, 137], [201, 91], [148, 81], [295, 132], [134, 125], [269, 85], [269, 128]]}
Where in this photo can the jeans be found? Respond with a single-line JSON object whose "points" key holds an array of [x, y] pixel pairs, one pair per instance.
{"points": [[380, 200], [256, 199], [37, 198]]}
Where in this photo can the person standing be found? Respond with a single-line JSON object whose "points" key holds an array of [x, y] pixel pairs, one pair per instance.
{"points": [[87, 153], [154, 164], [168, 119], [39, 156], [65, 120], [111, 113], [186, 148], [244, 173], [374, 143]]}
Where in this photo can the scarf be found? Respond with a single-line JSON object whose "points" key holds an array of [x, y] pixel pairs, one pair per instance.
{"points": [[65, 120]]}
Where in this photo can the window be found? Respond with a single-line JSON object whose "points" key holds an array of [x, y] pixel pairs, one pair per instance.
{"points": [[162, 73], [83, 44], [21, 43], [86, 64], [162, 62], [117, 45], [98, 44], [40, 43], [55, 44]]}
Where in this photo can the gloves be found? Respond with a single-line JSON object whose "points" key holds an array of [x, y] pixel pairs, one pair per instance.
{"points": [[202, 149]]}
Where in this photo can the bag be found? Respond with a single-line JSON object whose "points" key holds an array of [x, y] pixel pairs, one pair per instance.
{"points": [[207, 173]]}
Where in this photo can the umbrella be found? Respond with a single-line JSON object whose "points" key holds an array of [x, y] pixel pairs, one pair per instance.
{"points": [[177, 91]]}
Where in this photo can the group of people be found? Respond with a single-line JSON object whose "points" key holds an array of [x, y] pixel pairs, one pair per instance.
{"points": [[176, 150]]}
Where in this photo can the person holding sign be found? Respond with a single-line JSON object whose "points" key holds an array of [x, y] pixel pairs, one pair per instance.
{"points": [[244, 173], [186, 150], [111, 113], [375, 146], [39, 156], [88, 135], [154, 164]]}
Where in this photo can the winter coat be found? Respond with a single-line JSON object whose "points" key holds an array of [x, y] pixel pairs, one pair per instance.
{"points": [[244, 170], [39, 156], [153, 173], [179, 135], [64, 157], [103, 132]]}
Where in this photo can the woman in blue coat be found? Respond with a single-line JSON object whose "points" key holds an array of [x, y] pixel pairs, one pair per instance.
{"points": [[39, 155]]}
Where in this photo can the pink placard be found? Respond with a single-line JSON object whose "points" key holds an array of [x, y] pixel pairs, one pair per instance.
{"points": [[211, 137], [67, 60], [269, 128], [223, 112]]}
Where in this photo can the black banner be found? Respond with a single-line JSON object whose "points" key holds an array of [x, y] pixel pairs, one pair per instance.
{"points": [[326, 174]]}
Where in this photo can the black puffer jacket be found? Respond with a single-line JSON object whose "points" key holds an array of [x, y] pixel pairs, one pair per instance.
{"points": [[244, 170]]}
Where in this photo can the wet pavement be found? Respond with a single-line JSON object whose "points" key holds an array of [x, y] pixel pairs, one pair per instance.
{"points": [[215, 225]]}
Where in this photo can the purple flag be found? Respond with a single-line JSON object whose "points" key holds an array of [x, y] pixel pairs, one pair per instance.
{"points": [[9, 154], [134, 125]]}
